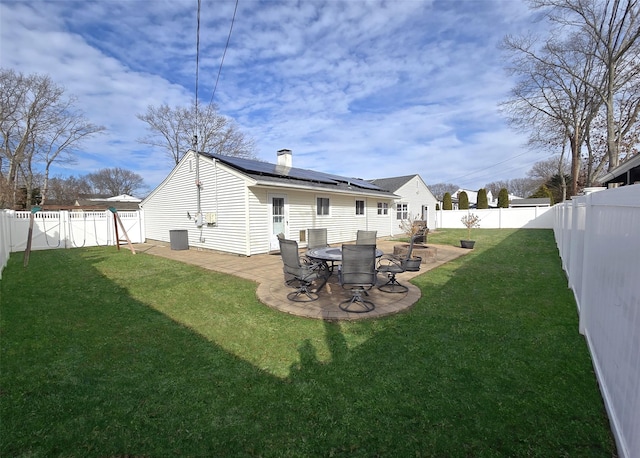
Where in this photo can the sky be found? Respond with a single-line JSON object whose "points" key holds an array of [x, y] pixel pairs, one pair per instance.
{"points": [[367, 89]]}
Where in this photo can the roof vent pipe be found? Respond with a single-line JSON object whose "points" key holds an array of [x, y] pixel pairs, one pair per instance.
{"points": [[284, 158]]}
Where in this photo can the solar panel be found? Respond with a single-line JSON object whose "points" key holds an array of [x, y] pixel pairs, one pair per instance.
{"points": [[265, 168]]}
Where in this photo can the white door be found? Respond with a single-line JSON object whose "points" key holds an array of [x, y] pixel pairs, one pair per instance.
{"points": [[425, 214], [278, 204]]}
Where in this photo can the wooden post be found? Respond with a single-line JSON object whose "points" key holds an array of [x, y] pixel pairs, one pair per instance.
{"points": [[115, 225], [117, 221], [27, 251]]}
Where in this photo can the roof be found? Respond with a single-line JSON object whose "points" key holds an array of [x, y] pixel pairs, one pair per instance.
{"points": [[277, 175], [122, 198], [627, 173], [532, 202], [104, 204], [393, 183]]}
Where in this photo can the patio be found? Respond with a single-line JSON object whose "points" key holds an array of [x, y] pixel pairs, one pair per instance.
{"points": [[266, 270]]}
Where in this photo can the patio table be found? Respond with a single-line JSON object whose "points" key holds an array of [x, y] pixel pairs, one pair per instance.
{"points": [[331, 254]]}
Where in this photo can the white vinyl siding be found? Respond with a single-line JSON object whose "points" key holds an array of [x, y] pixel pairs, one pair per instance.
{"points": [[222, 193], [415, 194], [242, 210]]}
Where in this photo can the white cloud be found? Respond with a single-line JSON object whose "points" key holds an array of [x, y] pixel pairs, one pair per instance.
{"points": [[368, 89]]}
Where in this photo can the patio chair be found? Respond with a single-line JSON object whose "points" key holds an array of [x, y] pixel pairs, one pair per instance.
{"points": [[317, 238], [366, 237], [392, 265], [358, 274], [301, 273]]}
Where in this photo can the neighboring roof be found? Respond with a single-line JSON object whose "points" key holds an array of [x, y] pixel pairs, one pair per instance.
{"points": [[104, 204], [626, 173], [272, 174], [532, 202], [393, 183], [122, 198]]}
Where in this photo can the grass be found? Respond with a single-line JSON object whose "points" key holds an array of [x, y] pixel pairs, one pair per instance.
{"points": [[108, 354]]}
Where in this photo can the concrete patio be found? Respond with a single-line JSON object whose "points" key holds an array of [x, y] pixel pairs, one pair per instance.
{"points": [[266, 271]]}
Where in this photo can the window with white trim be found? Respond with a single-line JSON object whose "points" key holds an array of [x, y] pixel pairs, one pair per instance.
{"points": [[383, 208], [402, 211], [322, 206], [359, 207]]}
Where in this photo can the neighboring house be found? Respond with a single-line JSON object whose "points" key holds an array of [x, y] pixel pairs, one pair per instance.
{"points": [[625, 174], [123, 202], [416, 200], [240, 206]]}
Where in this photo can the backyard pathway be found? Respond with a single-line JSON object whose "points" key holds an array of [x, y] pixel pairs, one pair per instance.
{"points": [[266, 270]]}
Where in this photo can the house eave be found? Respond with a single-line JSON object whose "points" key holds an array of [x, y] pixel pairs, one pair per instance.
{"points": [[320, 190]]}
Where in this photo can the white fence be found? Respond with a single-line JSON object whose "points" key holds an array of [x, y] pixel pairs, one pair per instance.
{"points": [[499, 218], [5, 248], [65, 229], [598, 236]]}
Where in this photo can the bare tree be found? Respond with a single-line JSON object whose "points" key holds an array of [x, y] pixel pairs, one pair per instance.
{"points": [[173, 130], [65, 191], [589, 62], [613, 27], [521, 187], [440, 189], [552, 98], [39, 126], [115, 181]]}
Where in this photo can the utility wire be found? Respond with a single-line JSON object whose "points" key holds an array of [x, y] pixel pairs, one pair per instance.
{"points": [[491, 166], [233, 19], [195, 134]]}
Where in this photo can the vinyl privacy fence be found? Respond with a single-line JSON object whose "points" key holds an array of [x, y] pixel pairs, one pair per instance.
{"points": [[65, 229], [499, 218], [598, 237]]}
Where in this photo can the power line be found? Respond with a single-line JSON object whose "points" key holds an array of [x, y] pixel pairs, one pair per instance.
{"points": [[197, 71], [491, 166], [233, 20]]}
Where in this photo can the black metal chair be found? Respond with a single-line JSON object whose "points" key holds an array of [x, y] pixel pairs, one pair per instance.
{"points": [[300, 273], [366, 237], [358, 274], [393, 264]]}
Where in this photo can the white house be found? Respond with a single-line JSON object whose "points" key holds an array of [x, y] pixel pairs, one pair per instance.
{"points": [[415, 202], [238, 205]]}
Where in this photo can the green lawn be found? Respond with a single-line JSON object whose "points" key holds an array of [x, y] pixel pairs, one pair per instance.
{"points": [[108, 354]]}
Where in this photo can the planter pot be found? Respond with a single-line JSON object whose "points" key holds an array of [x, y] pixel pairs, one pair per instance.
{"points": [[413, 264], [467, 243]]}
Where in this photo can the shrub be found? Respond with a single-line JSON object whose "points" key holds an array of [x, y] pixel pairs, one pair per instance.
{"points": [[482, 199], [503, 198], [446, 202], [463, 201]]}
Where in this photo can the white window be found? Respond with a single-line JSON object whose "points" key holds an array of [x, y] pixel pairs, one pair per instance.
{"points": [[322, 206], [359, 207], [402, 211], [383, 208]]}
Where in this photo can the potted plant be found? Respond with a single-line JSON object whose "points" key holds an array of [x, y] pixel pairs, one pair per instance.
{"points": [[470, 220], [413, 227]]}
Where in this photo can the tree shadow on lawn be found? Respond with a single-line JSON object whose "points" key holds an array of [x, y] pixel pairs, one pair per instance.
{"points": [[466, 372]]}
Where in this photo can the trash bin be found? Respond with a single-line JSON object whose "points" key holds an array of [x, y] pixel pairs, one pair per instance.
{"points": [[179, 239]]}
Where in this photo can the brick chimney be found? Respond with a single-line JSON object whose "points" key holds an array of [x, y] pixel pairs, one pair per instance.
{"points": [[284, 158]]}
